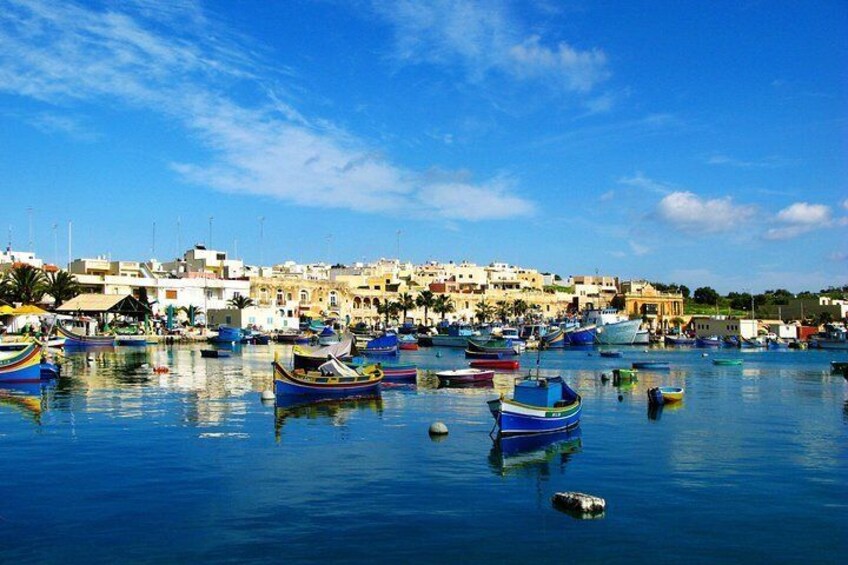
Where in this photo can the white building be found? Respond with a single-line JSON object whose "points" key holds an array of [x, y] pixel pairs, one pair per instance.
{"points": [[266, 318], [9, 257], [723, 326]]}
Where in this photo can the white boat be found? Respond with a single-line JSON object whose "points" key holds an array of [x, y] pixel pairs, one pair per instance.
{"points": [[612, 327]]}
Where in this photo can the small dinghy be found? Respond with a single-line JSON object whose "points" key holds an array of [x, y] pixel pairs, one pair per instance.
{"points": [[727, 362], [660, 395], [652, 365], [501, 364], [463, 376], [615, 354]]}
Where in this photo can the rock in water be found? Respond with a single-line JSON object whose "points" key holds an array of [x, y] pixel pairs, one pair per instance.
{"points": [[438, 429], [580, 505]]}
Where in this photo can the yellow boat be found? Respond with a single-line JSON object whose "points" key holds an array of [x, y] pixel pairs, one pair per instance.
{"points": [[671, 394]]}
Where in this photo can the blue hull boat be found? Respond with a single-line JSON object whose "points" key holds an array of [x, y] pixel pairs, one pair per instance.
{"points": [[704, 342], [348, 383], [21, 366], [654, 365], [383, 346], [582, 336], [538, 405]]}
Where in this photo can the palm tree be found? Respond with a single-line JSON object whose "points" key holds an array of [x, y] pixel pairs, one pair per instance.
{"points": [[5, 289], [503, 310], [62, 286], [395, 308], [483, 311], [241, 302], [26, 284], [406, 303], [388, 309], [443, 305], [519, 307], [426, 300], [191, 311]]}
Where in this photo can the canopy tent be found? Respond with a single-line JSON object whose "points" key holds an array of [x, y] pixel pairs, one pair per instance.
{"points": [[6, 310], [121, 304], [28, 310]]}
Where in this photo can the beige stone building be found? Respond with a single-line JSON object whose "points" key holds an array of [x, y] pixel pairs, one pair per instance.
{"points": [[640, 298]]}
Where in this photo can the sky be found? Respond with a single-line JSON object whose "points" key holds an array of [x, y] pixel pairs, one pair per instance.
{"points": [[689, 142]]}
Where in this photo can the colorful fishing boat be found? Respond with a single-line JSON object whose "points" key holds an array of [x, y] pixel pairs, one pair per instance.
{"points": [[538, 405], [671, 394], [332, 378], [391, 372], [310, 358], [492, 355], [456, 336], [50, 370], [626, 375], [554, 339], [73, 339], [383, 346], [504, 347], [21, 366], [727, 362], [498, 364], [651, 365], [465, 376], [131, 341], [408, 342]]}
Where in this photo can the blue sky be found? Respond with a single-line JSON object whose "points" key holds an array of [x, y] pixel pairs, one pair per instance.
{"points": [[702, 143]]}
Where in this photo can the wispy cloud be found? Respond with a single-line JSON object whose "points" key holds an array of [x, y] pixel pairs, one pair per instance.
{"points": [[71, 126], [691, 213], [485, 38], [177, 62], [770, 162], [642, 182]]}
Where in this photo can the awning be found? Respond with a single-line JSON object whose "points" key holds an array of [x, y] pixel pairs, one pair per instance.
{"points": [[310, 313], [28, 310], [6, 310]]}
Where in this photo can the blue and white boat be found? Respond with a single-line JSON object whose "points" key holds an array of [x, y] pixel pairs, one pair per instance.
{"points": [[679, 340], [834, 337], [712, 341], [538, 404], [328, 336], [383, 346], [612, 328], [227, 335], [581, 336]]}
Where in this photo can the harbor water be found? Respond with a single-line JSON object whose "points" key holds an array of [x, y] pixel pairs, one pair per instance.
{"points": [[116, 462]]}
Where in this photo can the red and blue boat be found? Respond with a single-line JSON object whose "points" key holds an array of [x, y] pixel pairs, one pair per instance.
{"points": [[408, 342], [538, 404], [22, 366], [333, 378], [497, 364]]}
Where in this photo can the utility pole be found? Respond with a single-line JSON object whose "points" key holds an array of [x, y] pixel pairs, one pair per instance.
{"points": [[56, 244], [398, 246]]}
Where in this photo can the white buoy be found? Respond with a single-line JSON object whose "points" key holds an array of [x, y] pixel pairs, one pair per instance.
{"points": [[268, 395], [705, 354], [438, 429]]}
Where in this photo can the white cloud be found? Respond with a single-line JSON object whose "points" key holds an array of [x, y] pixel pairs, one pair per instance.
{"points": [[484, 37], [178, 63], [800, 218], [845, 203], [689, 212], [639, 180], [639, 249], [770, 162]]}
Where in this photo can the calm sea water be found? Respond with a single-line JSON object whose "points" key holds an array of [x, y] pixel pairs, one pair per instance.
{"points": [[115, 462]]}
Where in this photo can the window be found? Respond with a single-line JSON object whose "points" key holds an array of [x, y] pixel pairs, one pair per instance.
{"points": [[279, 297], [334, 299], [304, 296], [228, 320], [171, 294]]}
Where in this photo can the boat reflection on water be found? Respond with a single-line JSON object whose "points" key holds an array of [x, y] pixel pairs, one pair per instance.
{"points": [[335, 410], [655, 411], [534, 454], [29, 399], [473, 384]]}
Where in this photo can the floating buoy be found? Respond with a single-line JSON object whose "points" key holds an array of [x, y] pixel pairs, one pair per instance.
{"points": [[268, 395], [705, 354], [580, 505], [438, 429], [161, 370], [604, 377], [438, 353]]}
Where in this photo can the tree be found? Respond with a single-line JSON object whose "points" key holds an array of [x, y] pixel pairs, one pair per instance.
{"points": [[426, 300], [444, 305], [684, 290], [241, 302], [26, 284], [739, 300], [483, 311], [191, 311], [824, 318], [519, 307], [388, 309], [406, 303], [62, 286], [706, 295], [503, 310]]}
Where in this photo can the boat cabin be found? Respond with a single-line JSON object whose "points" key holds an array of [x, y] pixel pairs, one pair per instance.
{"points": [[539, 391]]}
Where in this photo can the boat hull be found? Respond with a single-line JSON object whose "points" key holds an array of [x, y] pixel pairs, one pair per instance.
{"points": [[501, 364], [449, 341], [290, 384], [77, 340], [514, 418], [582, 336], [653, 365], [619, 333], [465, 376], [22, 367], [679, 341]]}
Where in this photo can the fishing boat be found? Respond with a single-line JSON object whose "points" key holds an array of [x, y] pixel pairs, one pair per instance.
{"points": [[408, 342], [539, 404], [73, 339], [383, 346], [513, 335], [215, 353], [554, 339], [834, 337], [499, 364], [456, 336], [310, 358], [584, 335], [291, 337], [332, 378], [227, 335], [624, 375], [328, 336], [612, 327], [727, 362], [838, 366], [21, 366], [610, 353], [643, 337], [679, 340], [712, 341], [652, 365], [753, 343], [465, 376], [660, 395], [504, 347]]}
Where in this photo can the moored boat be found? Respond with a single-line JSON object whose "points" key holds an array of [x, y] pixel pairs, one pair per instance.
{"points": [[391, 371], [332, 379], [612, 354], [727, 362], [383, 346], [227, 335], [581, 336], [493, 355], [612, 328], [538, 405], [500, 364], [712, 341], [671, 394], [131, 340], [463, 376], [73, 339], [679, 340], [310, 358], [21, 366], [456, 336], [408, 342], [554, 339], [653, 365]]}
